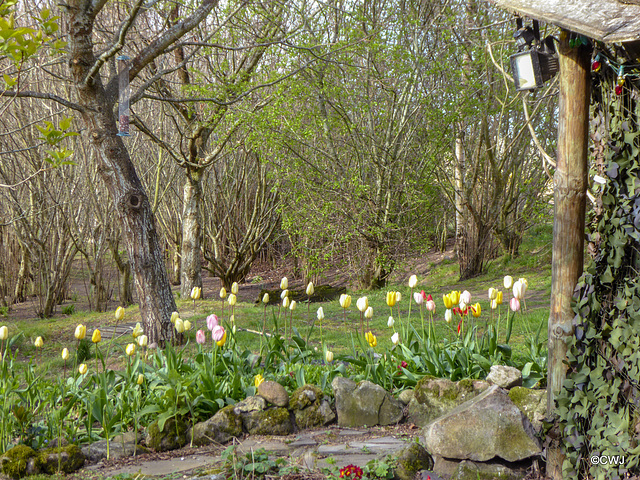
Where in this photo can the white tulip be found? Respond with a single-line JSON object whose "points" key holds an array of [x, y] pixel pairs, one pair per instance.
{"points": [[508, 281], [368, 313], [310, 289], [448, 315], [284, 283], [395, 338], [390, 322], [413, 281], [320, 314]]}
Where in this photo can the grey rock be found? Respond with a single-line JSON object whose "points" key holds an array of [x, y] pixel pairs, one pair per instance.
{"points": [[61, 459], [117, 448], [391, 411], [411, 460], [533, 403], [364, 404], [310, 407], [222, 427], [273, 421], [406, 396], [504, 376], [468, 470], [172, 436], [273, 393], [250, 404], [485, 427]]}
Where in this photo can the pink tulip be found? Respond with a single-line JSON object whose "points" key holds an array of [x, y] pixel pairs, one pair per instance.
{"points": [[217, 333], [514, 304], [419, 299], [431, 305], [200, 338], [212, 321], [424, 295]]}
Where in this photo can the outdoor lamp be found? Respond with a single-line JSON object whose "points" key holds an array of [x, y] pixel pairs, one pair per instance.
{"points": [[532, 68]]}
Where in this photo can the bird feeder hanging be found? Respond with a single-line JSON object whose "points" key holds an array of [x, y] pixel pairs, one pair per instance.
{"points": [[125, 94]]}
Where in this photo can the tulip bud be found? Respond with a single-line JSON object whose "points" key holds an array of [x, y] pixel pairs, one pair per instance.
{"points": [[448, 303], [293, 305], [413, 281], [494, 304], [368, 313], [81, 332], [398, 297], [284, 293], [328, 356], [465, 297], [232, 299], [284, 283], [65, 354], [514, 304], [195, 293], [371, 339], [143, 340], [212, 321], [320, 314], [140, 380], [223, 293], [286, 302], [97, 336], [431, 305], [455, 297], [310, 289], [187, 325], [493, 293], [200, 337], [179, 325], [448, 315], [391, 298], [131, 349], [174, 317], [508, 281], [499, 298], [265, 298], [119, 313], [418, 298], [518, 290], [390, 322], [395, 338], [362, 303], [82, 368], [345, 301], [4, 332]]}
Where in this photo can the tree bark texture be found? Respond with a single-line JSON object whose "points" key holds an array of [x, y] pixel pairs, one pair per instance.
{"points": [[190, 274], [118, 172], [570, 183]]}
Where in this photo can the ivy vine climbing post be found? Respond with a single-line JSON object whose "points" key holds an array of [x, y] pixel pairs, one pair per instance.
{"points": [[570, 183]]}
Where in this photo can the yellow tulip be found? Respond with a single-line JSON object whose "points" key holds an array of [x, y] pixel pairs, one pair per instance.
{"points": [[448, 303], [286, 302], [232, 299], [65, 354], [174, 317], [371, 339], [82, 368], [39, 342], [81, 332], [293, 305], [329, 356], [223, 293], [140, 379], [223, 340], [499, 298], [345, 301], [284, 283], [4, 332], [476, 310], [391, 298], [137, 331], [257, 380], [234, 288], [97, 336], [455, 297], [143, 340], [131, 349], [179, 325], [265, 298], [187, 325], [119, 313], [195, 293]]}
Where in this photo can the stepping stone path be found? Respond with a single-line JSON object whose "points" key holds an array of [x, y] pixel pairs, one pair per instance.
{"points": [[310, 450]]}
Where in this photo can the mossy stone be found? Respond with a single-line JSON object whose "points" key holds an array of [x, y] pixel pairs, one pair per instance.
{"points": [[305, 396], [172, 436], [65, 459], [20, 461], [273, 421], [411, 460], [222, 427]]}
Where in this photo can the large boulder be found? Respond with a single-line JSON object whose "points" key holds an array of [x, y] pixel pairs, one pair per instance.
{"points": [[222, 427], [485, 427], [310, 407], [504, 376], [468, 470], [433, 397], [273, 421], [20, 461], [364, 403], [123, 445], [274, 393], [411, 460], [171, 437], [533, 403]]}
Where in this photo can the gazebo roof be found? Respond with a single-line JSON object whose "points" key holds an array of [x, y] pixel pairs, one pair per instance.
{"points": [[609, 21]]}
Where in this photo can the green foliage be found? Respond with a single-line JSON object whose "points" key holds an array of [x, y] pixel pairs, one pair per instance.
{"points": [[598, 404]]}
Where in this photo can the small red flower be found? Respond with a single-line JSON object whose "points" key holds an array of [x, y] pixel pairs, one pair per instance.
{"points": [[351, 472], [618, 89], [429, 298], [424, 295], [595, 66], [403, 364]]}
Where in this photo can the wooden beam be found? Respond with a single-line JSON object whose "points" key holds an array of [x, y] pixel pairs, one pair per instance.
{"points": [[570, 184]]}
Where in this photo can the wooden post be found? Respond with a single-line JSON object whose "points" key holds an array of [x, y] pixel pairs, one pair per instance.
{"points": [[570, 183]]}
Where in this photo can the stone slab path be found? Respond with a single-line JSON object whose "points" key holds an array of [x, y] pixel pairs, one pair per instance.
{"points": [[311, 450]]}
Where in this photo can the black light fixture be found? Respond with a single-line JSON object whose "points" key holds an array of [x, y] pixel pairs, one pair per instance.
{"points": [[535, 62]]}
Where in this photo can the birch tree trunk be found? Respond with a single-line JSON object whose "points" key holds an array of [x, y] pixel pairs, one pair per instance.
{"points": [[190, 274]]}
